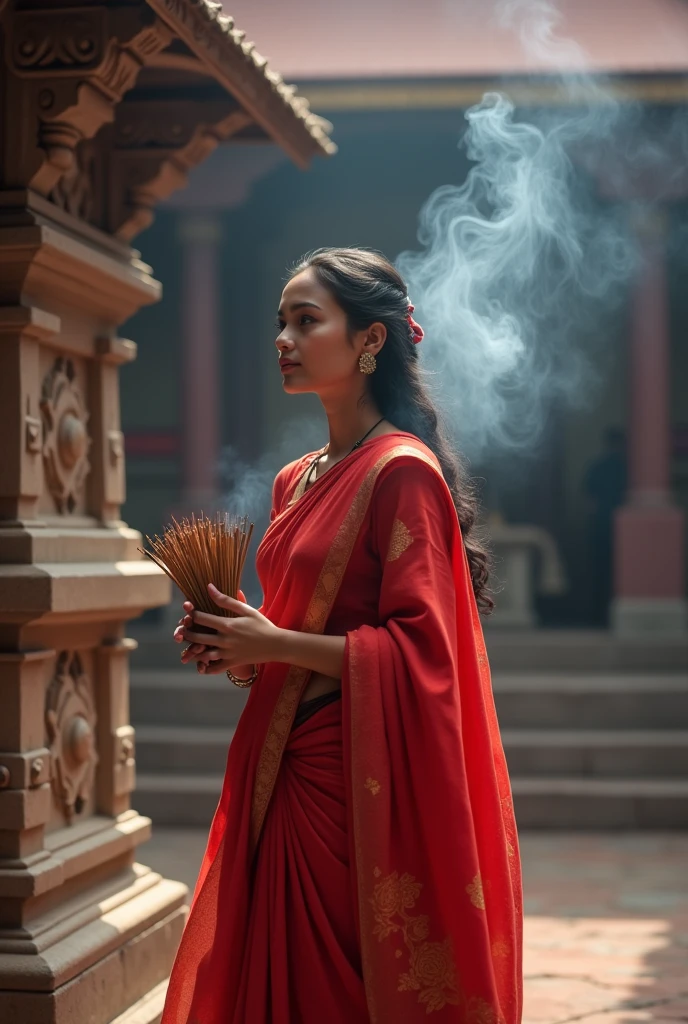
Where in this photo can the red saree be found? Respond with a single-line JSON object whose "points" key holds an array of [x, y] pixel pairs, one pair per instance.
{"points": [[363, 866]]}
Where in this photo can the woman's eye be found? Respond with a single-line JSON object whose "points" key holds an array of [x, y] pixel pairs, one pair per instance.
{"points": [[303, 319]]}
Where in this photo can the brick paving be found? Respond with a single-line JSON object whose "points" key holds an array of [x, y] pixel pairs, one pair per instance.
{"points": [[606, 933]]}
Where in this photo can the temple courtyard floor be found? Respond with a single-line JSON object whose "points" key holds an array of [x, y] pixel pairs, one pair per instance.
{"points": [[606, 930]]}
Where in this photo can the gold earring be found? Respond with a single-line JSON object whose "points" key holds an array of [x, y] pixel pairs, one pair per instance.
{"points": [[367, 362]]}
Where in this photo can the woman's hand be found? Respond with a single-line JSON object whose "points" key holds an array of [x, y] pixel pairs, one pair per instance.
{"points": [[202, 654], [246, 640]]}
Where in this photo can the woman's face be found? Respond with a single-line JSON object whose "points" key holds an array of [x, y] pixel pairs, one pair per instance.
{"points": [[315, 351]]}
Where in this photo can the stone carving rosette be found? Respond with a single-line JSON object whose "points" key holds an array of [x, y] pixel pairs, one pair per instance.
{"points": [[70, 720], [65, 437]]}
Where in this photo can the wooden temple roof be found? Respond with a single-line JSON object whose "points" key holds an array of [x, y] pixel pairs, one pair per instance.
{"points": [[217, 47], [109, 105]]}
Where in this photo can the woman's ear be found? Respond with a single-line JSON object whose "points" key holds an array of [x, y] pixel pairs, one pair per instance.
{"points": [[376, 336]]}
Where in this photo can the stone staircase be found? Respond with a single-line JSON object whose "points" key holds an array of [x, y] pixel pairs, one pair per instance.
{"points": [[595, 732], [184, 725]]}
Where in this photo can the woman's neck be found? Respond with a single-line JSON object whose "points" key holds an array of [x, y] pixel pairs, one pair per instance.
{"points": [[348, 421]]}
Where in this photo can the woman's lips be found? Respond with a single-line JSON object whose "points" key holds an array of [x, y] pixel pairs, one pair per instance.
{"points": [[288, 367]]}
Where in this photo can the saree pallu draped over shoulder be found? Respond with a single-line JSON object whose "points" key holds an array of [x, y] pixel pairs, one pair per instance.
{"points": [[396, 803]]}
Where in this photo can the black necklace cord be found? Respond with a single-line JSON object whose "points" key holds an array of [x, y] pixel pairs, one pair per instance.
{"points": [[358, 444]]}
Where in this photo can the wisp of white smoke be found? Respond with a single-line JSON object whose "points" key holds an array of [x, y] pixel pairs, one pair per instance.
{"points": [[516, 262]]}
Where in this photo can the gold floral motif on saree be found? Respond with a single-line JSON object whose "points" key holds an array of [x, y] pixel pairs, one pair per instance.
{"points": [[318, 612], [476, 892], [432, 971], [373, 785], [399, 541], [479, 1011]]}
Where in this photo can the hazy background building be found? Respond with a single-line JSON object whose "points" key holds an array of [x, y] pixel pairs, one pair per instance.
{"points": [[555, 327]]}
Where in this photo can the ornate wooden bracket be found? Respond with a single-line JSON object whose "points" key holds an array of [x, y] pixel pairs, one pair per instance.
{"points": [[80, 63], [156, 144]]}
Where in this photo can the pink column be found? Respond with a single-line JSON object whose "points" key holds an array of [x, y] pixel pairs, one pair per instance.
{"points": [[200, 234], [649, 528]]}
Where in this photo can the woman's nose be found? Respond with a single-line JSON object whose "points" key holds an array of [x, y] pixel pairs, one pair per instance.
{"points": [[284, 344]]}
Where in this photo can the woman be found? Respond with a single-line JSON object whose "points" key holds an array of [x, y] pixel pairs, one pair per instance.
{"points": [[362, 865]]}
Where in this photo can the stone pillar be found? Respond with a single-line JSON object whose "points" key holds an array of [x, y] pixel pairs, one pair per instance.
{"points": [[649, 528], [200, 378], [85, 932]]}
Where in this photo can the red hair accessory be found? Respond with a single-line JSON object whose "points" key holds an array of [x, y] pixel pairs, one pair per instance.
{"points": [[416, 329]]}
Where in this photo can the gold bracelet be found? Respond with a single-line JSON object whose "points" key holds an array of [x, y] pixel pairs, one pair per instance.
{"points": [[243, 683]]}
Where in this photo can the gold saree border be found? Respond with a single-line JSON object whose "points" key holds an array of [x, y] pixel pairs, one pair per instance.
{"points": [[357, 771], [300, 488], [318, 612], [443, 987]]}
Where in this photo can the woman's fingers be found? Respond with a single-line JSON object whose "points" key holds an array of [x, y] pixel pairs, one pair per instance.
{"points": [[180, 631], [208, 655], [193, 651], [198, 638], [212, 666], [225, 601], [213, 669], [217, 622]]}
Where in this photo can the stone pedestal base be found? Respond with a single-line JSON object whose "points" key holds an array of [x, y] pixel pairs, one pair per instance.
{"points": [[110, 954], [147, 1010], [633, 615], [99, 931]]}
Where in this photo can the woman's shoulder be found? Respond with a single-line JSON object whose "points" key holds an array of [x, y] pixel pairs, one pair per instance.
{"points": [[288, 475], [405, 457], [411, 489], [288, 472]]}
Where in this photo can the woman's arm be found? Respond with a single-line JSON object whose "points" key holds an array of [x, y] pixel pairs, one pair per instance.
{"points": [[315, 651], [250, 638]]}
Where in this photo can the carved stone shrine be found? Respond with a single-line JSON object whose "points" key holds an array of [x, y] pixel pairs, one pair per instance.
{"points": [[104, 109]]}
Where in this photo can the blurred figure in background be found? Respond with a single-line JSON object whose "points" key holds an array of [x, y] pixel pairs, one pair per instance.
{"points": [[605, 486]]}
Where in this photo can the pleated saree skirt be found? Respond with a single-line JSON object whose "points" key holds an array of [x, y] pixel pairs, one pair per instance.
{"points": [[302, 961]]}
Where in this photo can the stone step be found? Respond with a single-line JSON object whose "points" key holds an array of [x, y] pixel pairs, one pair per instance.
{"points": [[188, 800], [578, 650], [541, 803], [194, 750], [602, 753], [608, 701], [202, 750], [182, 697], [567, 650], [524, 700], [600, 804]]}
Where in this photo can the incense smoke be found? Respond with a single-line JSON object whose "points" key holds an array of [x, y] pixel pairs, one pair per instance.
{"points": [[247, 486], [519, 260]]}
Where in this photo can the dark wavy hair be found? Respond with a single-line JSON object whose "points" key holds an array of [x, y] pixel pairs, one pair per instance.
{"points": [[370, 290]]}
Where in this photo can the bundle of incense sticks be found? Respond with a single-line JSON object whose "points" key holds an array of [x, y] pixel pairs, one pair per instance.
{"points": [[199, 551]]}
